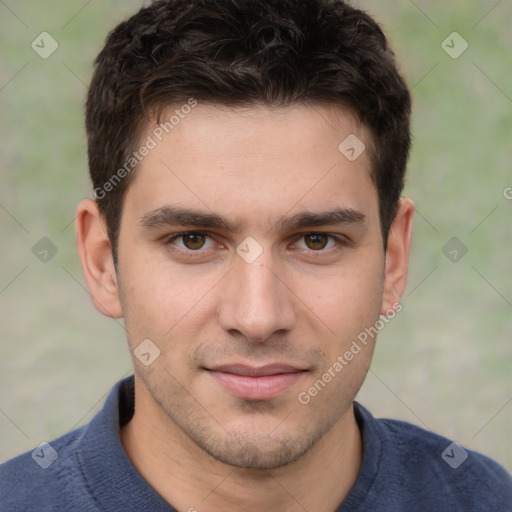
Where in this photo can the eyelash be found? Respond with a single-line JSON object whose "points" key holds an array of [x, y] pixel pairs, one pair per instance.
{"points": [[341, 242]]}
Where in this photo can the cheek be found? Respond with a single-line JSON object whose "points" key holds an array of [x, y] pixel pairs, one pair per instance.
{"points": [[347, 300], [158, 298], [346, 310], [144, 295]]}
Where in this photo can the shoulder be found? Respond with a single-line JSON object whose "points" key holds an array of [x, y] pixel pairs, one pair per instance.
{"points": [[433, 471], [33, 480], [74, 471]]}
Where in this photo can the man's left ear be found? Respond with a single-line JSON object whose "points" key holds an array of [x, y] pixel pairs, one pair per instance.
{"points": [[397, 255]]}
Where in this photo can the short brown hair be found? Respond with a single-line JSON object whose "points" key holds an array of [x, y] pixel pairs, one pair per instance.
{"points": [[243, 52]]}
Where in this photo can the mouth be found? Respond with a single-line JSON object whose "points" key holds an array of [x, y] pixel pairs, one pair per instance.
{"points": [[256, 382]]}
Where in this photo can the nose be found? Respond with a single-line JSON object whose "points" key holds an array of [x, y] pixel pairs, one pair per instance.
{"points": [[256, 302]]}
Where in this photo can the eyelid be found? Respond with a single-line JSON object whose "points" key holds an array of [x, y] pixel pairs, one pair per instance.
{"points": [[170, 239], [340, 242]]}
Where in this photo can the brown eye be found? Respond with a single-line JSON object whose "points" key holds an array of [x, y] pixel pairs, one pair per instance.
{"points": [[316, 242], [193, 241]]}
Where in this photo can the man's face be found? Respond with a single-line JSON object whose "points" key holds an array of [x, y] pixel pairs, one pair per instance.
{"points": [[250, 312]]}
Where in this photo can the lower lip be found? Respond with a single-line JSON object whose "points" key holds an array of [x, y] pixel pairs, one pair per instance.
{"points": [[256, 388]]}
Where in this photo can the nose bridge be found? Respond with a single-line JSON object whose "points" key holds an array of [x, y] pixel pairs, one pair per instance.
{"points": [[256, 303]]}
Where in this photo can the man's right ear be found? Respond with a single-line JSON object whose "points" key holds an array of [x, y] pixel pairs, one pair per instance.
{"points": [[95, 254]]}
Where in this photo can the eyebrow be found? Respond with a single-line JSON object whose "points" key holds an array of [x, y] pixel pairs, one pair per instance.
{"points": [[173, 216]]}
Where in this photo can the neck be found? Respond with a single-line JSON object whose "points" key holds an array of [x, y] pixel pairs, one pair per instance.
{"points": [[190, 479]]}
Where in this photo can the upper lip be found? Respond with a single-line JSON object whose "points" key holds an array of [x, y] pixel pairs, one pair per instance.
{"points": [[256, 371]]}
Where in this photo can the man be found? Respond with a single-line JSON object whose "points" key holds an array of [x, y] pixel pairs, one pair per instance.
{"points": [[248, 159]]}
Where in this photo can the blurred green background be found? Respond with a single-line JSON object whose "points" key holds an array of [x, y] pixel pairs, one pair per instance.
{"points": [[445, 362]]}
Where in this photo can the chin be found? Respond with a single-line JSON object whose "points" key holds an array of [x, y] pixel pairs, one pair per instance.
{"points": [[250, 456], [260, 452]]}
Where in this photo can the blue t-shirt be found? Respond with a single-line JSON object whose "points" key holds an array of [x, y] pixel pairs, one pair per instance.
{"points": [[405, 468]]}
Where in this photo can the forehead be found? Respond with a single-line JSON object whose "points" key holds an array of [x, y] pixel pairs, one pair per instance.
{"points": [[237, 159]]}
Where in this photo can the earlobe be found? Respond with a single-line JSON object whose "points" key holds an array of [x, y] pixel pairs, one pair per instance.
{"points": [[95, 254], [397, 256]]}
